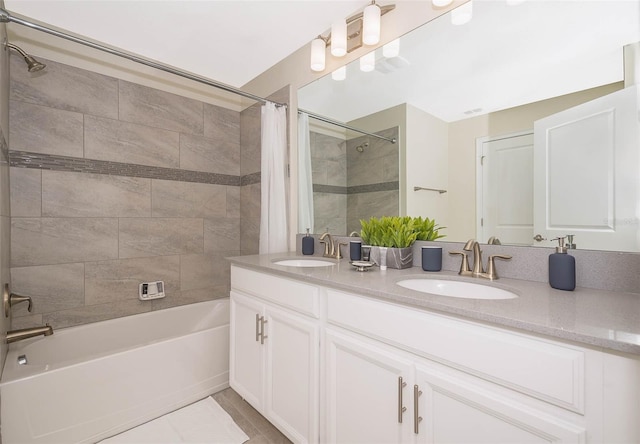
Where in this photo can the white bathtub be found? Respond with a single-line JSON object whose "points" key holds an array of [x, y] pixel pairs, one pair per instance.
{"points": [[85, 383]]}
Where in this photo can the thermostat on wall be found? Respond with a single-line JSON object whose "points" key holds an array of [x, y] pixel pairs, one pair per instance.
{"points": [[151, 290]]}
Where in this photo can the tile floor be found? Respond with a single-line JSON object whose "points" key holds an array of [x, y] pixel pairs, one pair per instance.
{"points": [[257, 428]]}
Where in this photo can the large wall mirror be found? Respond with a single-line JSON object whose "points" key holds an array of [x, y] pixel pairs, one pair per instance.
{"points": [[519, 124]]}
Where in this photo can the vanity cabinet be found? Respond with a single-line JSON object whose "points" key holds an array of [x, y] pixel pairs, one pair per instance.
{"points": [[329, 366], [274, 359]]}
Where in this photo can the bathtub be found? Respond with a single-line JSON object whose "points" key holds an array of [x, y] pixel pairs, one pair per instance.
{"points": [[86, 383]]}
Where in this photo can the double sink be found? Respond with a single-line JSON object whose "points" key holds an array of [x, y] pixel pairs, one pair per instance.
{"points": [[441, 287]]}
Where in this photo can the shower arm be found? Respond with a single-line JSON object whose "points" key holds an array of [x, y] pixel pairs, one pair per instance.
{"points": [[7, 17]]}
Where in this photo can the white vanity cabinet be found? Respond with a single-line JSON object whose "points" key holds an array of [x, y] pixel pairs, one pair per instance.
{"points": [[274, 359], [337, 367]]}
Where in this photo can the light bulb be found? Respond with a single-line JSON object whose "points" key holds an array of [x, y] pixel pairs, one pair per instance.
{"points": [[371, 25], [441, 3], [317, 54], [462, 14], [368, 62], [339, 38], [340, 73], [391, 49]]}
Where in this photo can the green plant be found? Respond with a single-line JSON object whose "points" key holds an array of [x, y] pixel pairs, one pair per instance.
{"points": [[398, 231], [388, 231], [427, 229]]}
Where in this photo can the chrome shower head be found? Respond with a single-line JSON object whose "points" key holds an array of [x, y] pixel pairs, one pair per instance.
{"points": [[32, 64]]}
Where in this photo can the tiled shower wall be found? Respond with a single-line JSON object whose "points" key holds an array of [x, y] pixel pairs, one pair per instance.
{"points": [[329, 173], [113, 184]]}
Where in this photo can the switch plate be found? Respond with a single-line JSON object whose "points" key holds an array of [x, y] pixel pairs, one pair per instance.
{"points": [[151, 290]]}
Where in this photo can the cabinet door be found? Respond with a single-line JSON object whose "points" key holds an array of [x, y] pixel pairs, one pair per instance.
{"points": [[246, 364], [364, 393], [454, 409], [292, 367]]}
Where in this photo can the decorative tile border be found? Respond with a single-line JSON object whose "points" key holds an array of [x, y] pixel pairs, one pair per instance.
{"points": [[24, 159], [356, 189]]}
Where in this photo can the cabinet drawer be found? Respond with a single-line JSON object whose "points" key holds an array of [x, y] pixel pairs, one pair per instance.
{"points": [[295, 295], [547, 370]]}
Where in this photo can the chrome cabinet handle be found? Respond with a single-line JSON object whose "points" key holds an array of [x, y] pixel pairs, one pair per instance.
{"points": [[257, 327], [539, 238], [416, 418], [401, 409], [262, 335]]}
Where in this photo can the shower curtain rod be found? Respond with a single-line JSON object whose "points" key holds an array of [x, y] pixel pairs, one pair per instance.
{"points": [[343, 125], [6, 17]]}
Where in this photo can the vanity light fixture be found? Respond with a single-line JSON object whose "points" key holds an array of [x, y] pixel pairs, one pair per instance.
{"points": [[339, 38], [348, 35], [462, 14], [371, 24]]}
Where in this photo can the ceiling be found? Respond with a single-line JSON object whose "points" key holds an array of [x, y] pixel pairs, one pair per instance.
{"points": [[506, 56], [228, 41]]}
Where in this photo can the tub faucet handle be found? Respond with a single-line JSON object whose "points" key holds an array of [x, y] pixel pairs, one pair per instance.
{"points": [[10, 299]]}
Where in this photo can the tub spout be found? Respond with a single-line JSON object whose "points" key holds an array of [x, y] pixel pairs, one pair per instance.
{"points": [[24, 333]]}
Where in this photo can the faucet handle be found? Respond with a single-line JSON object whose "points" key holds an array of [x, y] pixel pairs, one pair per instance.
{"points": [[338, 251], [492, 273], [464, 265]]}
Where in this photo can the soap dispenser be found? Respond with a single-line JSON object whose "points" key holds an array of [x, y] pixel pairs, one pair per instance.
{"points": [[562, 268], [307, 244]]}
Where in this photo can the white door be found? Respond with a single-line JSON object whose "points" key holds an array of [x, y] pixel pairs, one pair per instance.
{"points": [[587, 173], [457, 410], [505, 166], [365, 395], [293, 352], [246, 363]]}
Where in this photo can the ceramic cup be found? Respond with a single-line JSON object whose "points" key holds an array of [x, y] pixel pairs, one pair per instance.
{"points": [[432, 258], [355, 250]]}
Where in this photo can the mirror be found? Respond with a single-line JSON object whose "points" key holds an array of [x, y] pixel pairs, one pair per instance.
{"points": [[452, 89]]}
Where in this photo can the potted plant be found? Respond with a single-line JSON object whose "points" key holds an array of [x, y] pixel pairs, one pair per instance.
{"points": [[398, 234], [394, 232]]}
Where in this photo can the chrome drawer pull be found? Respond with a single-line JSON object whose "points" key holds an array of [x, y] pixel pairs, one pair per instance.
{"points": [[416, 418], [401, 409]]}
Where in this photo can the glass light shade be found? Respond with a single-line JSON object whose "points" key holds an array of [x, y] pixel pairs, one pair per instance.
{"points": [[391, 49], [339, 38], [441, 3], [317, 55], [340, 73], [368, 62], [462, 14], [371, 25]]}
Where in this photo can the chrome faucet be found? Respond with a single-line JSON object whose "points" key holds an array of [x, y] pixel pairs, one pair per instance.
{"points": [[331, 246], [25, 333], [478, 269]]}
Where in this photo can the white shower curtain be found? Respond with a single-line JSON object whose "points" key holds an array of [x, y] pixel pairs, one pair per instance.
{"points": [[305, 199], [273, 202]]}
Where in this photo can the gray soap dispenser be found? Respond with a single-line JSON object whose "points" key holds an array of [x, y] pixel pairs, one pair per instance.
{"points": [[307, 244], [562, 268]]}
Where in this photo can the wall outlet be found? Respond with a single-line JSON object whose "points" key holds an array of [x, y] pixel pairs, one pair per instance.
{"points": [[151, 290]]}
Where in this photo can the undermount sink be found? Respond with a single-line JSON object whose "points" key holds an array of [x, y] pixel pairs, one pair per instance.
{"points": [[304, 263], [456, 289]]}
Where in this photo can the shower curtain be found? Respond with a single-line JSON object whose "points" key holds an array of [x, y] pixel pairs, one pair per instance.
{"points": [[273, 202], [305, 199]]}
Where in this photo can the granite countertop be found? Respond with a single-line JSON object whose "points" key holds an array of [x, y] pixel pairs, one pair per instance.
{"points": [[610, 320]]}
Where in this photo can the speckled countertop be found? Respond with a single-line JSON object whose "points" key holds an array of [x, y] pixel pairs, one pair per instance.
{"points": [[610, 320]]}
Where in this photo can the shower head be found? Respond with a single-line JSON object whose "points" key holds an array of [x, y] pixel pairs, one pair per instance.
{"points": [[32, 64], [360, 148]]}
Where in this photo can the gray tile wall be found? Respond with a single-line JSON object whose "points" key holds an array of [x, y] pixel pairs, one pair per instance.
{"points": [[373, 176], [114, 184], [329, 168]]}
